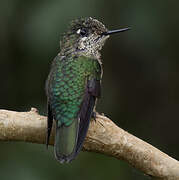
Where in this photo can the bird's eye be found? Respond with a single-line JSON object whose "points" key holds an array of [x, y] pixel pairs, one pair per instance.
{"points": [[82, 31]]}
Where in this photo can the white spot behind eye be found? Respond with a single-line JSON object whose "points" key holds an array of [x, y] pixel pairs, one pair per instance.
{"points": [[78, 31]]}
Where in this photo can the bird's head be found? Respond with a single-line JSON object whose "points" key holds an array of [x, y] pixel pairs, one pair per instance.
{"points": [[86, 36]]}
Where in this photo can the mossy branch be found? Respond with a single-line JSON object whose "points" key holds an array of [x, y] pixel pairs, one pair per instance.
{"points": [[103, 137]]}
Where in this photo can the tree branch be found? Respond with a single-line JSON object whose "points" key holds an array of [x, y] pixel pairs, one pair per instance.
{"points": [[103, 137]]}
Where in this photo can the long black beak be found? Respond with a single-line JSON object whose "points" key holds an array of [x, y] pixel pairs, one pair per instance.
{"points": [[115, 31]]}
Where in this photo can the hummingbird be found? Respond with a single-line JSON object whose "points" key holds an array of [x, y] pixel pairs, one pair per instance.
{"points": [[74, 85]]}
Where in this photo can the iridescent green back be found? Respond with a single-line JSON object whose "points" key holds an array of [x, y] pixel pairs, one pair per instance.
{"points": [[68, 81]]}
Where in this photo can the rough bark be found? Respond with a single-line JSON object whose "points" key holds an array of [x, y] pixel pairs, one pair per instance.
{"points": [[103, 137]]}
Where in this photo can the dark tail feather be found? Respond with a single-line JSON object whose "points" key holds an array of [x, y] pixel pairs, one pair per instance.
{"points": [[84, 117], [65, 141], [81, 131], [69, 139]]}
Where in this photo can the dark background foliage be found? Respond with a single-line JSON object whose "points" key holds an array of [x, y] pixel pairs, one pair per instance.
{"points": [[139, 89]]}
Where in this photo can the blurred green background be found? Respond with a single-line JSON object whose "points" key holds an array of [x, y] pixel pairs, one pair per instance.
{"points": [[139, 89]]}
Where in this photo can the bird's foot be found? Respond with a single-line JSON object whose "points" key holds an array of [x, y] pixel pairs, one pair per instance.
{"points": [[93, 116]]}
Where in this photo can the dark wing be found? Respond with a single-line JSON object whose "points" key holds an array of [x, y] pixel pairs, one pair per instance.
{"points": [[49, 112], [49, 123], [93, 90]]}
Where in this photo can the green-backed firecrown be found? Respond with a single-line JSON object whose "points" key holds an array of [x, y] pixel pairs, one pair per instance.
{"points": [[73, 85]]}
